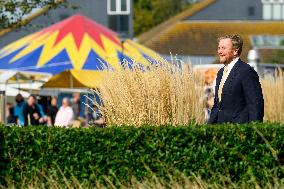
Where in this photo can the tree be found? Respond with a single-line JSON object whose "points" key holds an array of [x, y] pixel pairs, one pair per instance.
{"points": [[149, 13], [13, 11]]}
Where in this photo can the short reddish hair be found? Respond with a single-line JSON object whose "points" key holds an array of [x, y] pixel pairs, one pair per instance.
{"points": [[236, 40]]}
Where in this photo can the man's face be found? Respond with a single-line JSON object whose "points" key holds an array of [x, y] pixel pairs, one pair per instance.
{"points": [[53, 101], [95, 108], [76, 96], [226, 51], [31, 101]]}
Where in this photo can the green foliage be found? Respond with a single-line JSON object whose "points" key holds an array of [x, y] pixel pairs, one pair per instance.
{"points": [[276, 56], [12, 12], [213, 152], [149, 13], [2, 159]]}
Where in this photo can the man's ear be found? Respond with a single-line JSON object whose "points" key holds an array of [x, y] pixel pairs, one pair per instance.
{"points": [[236, 52]]}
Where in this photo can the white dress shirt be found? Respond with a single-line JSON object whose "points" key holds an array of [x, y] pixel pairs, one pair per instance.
{"points": [[230, 67], [226, 71]]}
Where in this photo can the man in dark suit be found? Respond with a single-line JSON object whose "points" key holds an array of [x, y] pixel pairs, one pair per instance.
{"points": [[238, 93]]}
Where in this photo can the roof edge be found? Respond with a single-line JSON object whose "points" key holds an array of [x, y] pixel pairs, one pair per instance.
{"points": [[29, 18], [164, 25]]}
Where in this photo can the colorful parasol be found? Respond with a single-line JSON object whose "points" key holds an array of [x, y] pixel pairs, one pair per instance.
{"points": [[77, 43]]}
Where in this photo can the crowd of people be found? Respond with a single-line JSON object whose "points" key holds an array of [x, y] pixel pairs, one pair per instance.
{"points": [[30, 112]]}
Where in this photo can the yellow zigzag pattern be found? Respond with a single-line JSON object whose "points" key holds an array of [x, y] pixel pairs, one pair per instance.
{"points": [[78, 57]]}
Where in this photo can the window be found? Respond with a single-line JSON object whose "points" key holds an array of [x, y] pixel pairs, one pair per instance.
{"points": [[118, 7], [251, 11], [267, 40], [112, 5], [273, 9], [276, 12], [123, 5], [267, 11], [282, 12], [119, 23]]}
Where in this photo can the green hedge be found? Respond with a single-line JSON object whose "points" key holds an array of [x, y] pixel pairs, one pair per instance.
{"points": [[213, 152]]}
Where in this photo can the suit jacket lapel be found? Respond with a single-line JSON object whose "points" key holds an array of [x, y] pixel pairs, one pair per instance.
{"points": [[218, 81]]}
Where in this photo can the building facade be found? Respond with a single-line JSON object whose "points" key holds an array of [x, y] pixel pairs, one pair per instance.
{"points": [[114, 14], [230, 10], [242, 10], [192, 34]]}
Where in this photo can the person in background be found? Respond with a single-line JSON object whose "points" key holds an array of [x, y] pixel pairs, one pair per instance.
{"points": [[41, 110], [96, 118], [65, 114], [31, 112], [52, 111], [10, 117], [76, 105], [42, 114], [208, 102], [18, 109]]}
